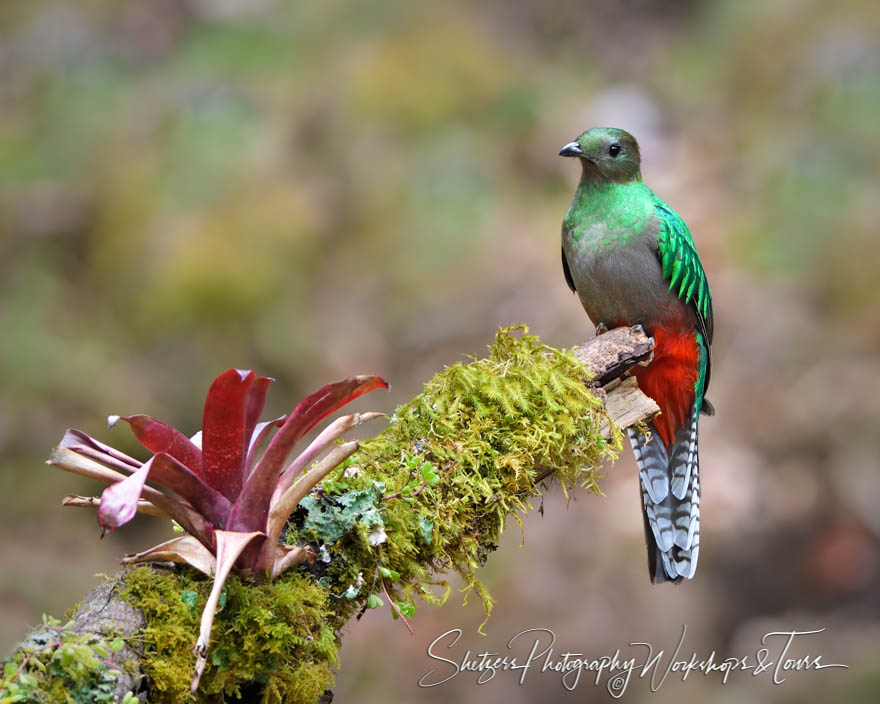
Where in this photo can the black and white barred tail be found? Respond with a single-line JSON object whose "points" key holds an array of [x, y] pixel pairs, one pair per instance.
{"points": [[670, 488]]}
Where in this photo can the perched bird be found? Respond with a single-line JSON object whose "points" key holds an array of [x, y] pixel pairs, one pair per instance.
{"points": [[632, 261]]}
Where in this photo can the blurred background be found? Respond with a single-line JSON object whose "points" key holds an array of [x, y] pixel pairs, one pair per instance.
{"points": [[319, 189]]}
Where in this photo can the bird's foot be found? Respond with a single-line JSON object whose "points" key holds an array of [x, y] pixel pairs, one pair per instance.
{"points": [[601, 329], [639, 330]]}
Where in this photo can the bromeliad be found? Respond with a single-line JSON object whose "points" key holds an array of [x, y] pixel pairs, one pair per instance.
{"points": [[632, 261], [232, 502]]}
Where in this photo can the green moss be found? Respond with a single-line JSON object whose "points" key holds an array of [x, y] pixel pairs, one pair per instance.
{"points": [[489, 427], [272, 637], [428, 495]]}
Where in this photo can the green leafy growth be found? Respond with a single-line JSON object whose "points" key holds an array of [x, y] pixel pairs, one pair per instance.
{"points": [[426, 526], [408, 610], [189, 597], [389, 574], [374, 601], [56, 664]]}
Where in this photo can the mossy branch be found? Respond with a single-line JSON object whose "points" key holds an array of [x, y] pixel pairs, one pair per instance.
{"points": [[429, 495]]}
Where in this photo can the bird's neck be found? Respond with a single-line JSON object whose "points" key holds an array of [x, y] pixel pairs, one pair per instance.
{"points": [[595, 189], [619, 205], [593, 178]]}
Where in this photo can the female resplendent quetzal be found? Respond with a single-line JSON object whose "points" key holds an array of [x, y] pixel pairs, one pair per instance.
{"points": [[632, 261]]}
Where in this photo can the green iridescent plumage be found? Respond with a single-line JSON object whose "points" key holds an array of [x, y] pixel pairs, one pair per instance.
{"points": [[681, 265]]}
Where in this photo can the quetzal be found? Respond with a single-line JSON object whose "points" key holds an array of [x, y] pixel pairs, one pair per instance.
{"points": [[632, 261]]}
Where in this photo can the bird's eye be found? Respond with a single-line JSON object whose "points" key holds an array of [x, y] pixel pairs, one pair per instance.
{"points": [[614, 149]]}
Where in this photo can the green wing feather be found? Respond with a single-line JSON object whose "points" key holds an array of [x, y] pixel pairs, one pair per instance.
{"points": [[682, 268], [681, 264]]}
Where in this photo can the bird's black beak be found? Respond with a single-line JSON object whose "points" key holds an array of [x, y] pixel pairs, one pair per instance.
{"points": [[571, 149]]}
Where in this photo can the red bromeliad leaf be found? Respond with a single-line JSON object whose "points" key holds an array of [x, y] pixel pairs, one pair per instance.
{"points": [[171, 474], [158, 437], [259, 436], [251, 509], [189, 519], [223, 431], [109, 460], [182, 549], [254, 409], [282, 506], [327, 437], [186, 516], [143, 505], [73, 461], [119, 501], [286, 556], [229, 547], [87, 445]]}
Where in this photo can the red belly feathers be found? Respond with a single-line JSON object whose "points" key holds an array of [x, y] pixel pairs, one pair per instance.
{"points": [[670, 378]]}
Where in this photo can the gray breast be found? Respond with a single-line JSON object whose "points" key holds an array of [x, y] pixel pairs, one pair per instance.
{"points": [[618, 284]]}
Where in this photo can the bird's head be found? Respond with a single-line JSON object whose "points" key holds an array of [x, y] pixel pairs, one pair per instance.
{"points": [[606, 153]]}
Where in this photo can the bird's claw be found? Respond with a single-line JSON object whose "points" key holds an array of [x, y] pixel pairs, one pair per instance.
{"points": [[601, 329], [639, 330]]}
